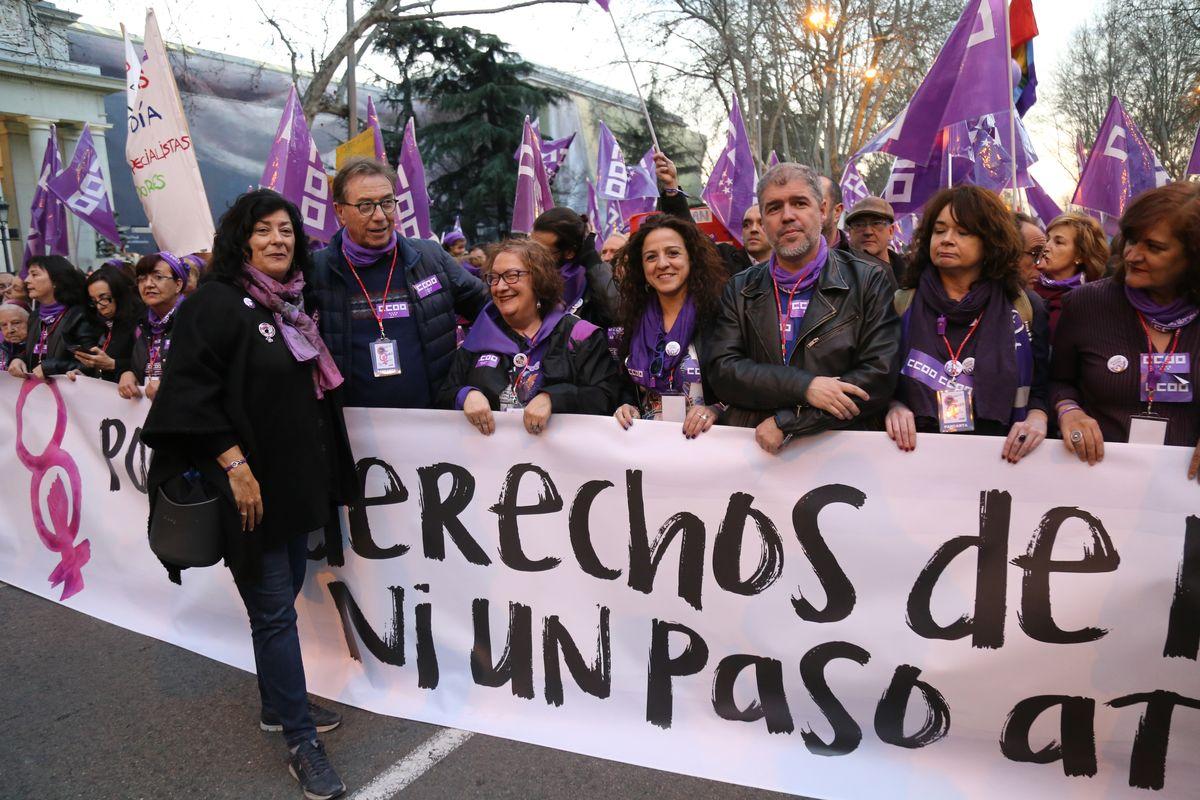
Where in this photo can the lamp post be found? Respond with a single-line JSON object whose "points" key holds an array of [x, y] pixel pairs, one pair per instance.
{"points": [[4, 234]]}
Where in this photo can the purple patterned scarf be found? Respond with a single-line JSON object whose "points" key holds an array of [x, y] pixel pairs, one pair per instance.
{"points": [[1073, 282], [650, 364], [1165, 319]]}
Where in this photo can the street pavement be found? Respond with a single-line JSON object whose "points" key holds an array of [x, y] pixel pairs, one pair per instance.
{"points": [[90, 710]]}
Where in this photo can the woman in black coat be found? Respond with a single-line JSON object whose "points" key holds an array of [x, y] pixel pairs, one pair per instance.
{"points": [[248, 401], [525, 352], [113, 307], [59, 326]]}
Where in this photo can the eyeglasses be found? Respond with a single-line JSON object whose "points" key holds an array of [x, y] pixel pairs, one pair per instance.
{"points": [[510, 277], [863, 224], [367, 207], [156, 277], [102, 300], [656, 366], [1036, 253]]}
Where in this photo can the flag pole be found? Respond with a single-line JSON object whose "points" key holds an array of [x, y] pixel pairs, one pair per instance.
{"points": [[632, 74], [1012, 114]]}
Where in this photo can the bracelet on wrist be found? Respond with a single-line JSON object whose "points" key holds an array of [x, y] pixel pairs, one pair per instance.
{"points": [[232, 465], [1063, 410]]}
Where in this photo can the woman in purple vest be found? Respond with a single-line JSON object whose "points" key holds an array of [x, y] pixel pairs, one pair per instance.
{"points": [[1126, 347]]}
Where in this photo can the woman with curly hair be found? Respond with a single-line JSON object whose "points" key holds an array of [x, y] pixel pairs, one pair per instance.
{"points": [[975, 343], [525, 352], [1076, 252], [672, 282]]}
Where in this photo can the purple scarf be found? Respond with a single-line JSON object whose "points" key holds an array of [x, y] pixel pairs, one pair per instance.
{"points": [[997, 375], [1165, 319], [49, 313], [1073, 282], [159, 325], [650, 340], [807, 277], [575, 281], [300, 333], [360, 255], [491, 334]]}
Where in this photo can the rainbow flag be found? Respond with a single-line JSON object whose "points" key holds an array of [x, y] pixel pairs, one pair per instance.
{"points": [[1023, 29]]}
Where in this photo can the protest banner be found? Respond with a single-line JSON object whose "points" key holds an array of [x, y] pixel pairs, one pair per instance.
{"points": [[842, 621]]}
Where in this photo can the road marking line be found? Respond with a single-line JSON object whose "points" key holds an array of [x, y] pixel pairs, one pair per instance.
{"points": [[397, 777]]}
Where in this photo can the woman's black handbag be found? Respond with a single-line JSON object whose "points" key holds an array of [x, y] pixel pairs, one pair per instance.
{"points": [[185, 525]]}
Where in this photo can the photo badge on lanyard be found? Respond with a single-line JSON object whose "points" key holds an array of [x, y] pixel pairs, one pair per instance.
{"points": [[1148, 429], [385, 360], [956, 412]]}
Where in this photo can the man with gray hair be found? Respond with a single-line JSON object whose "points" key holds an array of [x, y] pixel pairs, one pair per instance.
{"points": [[807, 341], [388, 305]]}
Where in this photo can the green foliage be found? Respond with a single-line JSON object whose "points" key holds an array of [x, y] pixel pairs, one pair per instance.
{"points": [[475, 96]]}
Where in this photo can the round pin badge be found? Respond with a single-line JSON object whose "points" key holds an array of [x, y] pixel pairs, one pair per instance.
{"points": [[1118, 364], [968, 366], [520, 360], [249, 303], [672, 349], [953, 368], [268, 331]]}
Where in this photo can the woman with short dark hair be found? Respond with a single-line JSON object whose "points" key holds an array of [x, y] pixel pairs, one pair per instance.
{"points": [[161, 278], [248, 401], [1126, 348], [525, 352], [974, 341], [589, 291], [59, 326], [115, 308], [673, 280]]}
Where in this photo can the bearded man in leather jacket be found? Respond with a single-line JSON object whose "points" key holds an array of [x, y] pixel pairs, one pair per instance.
{"points": [[808, 341]]}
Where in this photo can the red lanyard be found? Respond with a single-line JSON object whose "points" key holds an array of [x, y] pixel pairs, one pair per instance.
{"points": [[45, 334], [954, 354], [107, 340], [783, 320], [1153, 377], [387, 288]]}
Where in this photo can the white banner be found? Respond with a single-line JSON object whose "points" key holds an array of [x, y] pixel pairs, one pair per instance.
{"points": [[842, 621], [161, 151]]}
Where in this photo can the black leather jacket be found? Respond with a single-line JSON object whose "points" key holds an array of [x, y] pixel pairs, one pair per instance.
{"points": [[73, 332], [850, 332]]}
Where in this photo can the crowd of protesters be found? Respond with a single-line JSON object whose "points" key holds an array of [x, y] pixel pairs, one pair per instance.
{"points": [[987, 324]]}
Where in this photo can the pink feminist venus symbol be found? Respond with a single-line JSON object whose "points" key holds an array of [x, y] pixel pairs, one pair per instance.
{"points": [[54, 463]]}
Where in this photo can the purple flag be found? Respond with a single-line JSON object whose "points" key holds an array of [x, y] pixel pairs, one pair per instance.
{"points": [[1080, 153], [643, 178], [910, 185], [603, 4], [533, 187], [373, 124], [979, 153], [412, 195], [854, 188], [772, 160], [969, 79], [593, 212], [906, 226], [1120, 167], [1193, 167], [612, 176], [81, 187], [294, 169], [47, 216], [1044, 208], [730, 189], [613, 221], [554, 155]]}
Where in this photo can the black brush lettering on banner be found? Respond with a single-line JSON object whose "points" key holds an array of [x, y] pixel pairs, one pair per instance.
{"points": [[1037, 617], [136, 464], [1183, 628], [644, 558], [112, 437], [439, 515], [516, 662], [727, 548], [771, 704], [840, 596], [428, 674], [361, 539], [581, 535], [846, 731], [662, 669], [986, 625], [890, 712], [388, 649], [1148, 761], [1076, 747], [595, 679], [509, 512]]}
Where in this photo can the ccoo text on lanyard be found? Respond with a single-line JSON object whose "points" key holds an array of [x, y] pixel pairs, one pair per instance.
{"points": [[1153, 376]]}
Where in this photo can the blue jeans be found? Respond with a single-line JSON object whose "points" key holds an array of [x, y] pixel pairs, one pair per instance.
{"points": [[271, 605]]}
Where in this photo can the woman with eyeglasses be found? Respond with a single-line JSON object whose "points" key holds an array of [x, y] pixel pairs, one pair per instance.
{"points": [[673, 279], [59, 326], [161, 278], [1076, 252], [114, 307], [525, 353]]}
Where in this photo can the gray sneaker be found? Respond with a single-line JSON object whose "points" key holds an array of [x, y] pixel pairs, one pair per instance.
{"points": [[324, 719], [317, 777]]}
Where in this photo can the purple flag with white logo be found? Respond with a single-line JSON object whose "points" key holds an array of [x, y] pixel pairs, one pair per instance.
{"points": [[81, 187], [642, 189], [612, 176], [412, 195], [1193, 167], [614, 222], [969, 79], [47, 216], [979, 153], [554, 155], [1120, 167], [854, 188], [1044, 208], [730, 189], [533, 187], [910, 184], [295, 170], [373, 124]]}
